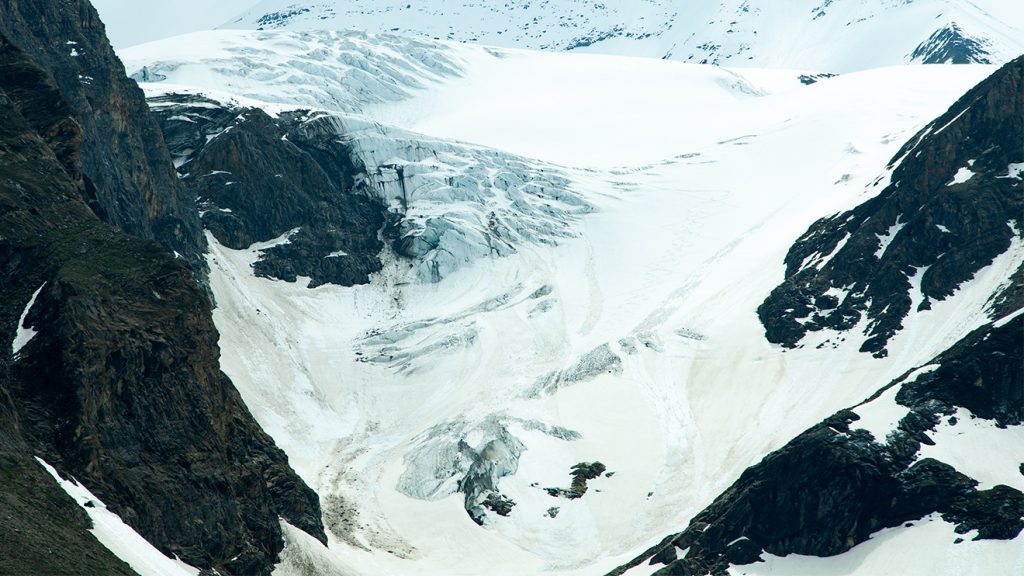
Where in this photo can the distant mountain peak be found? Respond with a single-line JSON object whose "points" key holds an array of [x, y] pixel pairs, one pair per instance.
{"points": [[951, 45], [806, 34]]}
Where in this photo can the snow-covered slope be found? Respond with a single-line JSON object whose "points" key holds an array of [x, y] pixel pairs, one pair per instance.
{"points": [[905, 550], [809, 34], [632, 341]]}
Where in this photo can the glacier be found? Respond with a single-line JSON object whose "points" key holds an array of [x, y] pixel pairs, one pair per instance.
{"points": [[642, 210]]}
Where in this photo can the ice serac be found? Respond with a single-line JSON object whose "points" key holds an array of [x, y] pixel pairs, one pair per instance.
{"points": [[120, 386], [127, 175], [950, 205], [452, 204], [835, 485], [446, 461]]}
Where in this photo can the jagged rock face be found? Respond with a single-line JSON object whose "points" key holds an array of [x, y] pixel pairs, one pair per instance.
{"points": [[258, 178], [954, 204], [41, 528], [950, 45], [127, 175], [114, 371], [834, 485]]}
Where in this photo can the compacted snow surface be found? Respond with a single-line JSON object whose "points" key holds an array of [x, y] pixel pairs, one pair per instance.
{"points": [[630, 340]]}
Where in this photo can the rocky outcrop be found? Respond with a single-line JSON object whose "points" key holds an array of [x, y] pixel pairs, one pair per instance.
{"points": [[110, 362], [982, 374], [951, 45], [581, 474], [834, 485], [954, 203], [258, 178], [344, 189], [126, 171]]}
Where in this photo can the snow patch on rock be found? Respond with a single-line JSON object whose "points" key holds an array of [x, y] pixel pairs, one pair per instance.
{"points": [[25, 333], [962, 175], [117, 536]]}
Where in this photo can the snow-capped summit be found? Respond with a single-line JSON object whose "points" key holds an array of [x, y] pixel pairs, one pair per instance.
{"points": [[837, 36]]}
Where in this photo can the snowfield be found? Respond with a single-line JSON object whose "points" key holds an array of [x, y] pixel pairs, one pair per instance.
{"points": [[632, 339]]}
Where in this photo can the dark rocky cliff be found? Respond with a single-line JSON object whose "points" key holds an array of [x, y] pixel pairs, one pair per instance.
{"points": [[42, 530], [119, 384], [128, 178], [951, 45], [259, 177], [949, 211]]}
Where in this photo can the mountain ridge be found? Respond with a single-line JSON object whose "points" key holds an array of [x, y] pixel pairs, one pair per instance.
{"points": [[810, 34]]}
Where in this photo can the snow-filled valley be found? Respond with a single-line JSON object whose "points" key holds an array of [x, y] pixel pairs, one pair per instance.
{"points": [[647, 206]]}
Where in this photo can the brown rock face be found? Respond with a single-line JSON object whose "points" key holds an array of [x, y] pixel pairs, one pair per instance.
{"points": [[120, 385], [129, 181], [42, 530]]}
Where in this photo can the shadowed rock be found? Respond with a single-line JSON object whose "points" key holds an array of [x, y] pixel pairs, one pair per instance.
{"points": [[127, 177], [119, 385]]}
